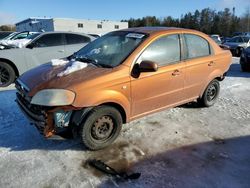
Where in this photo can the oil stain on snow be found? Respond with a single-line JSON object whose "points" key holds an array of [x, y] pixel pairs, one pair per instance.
{"points": [[121, 156]]}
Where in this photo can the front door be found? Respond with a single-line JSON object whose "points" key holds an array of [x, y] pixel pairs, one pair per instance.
{"points": [[153, 91], [47, 47]]}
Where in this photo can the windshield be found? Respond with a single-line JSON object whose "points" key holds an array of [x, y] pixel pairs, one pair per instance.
{"points": [[112, 49]]}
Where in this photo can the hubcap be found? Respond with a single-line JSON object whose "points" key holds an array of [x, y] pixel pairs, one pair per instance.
{"points": [[4, 75], [211, 93], [102, 128]]}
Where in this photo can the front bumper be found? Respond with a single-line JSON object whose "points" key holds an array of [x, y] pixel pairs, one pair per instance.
{"points": [[37, 119], [42, 120]]}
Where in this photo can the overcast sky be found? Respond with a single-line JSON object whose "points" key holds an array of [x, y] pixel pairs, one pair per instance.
{"points": [[12, 11]]}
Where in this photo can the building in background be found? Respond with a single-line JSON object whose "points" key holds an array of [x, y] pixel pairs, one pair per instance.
{"points": [[98, 27]]}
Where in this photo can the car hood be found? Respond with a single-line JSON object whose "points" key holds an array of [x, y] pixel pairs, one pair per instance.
{"points": [[46, 77]]}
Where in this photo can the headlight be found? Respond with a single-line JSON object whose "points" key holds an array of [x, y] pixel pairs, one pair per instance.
{"points": [[53, 97]]}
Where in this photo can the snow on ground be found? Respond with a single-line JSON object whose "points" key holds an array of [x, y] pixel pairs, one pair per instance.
{"points": [[185, 146]]}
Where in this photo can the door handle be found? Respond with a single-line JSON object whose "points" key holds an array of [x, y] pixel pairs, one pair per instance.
{"points": [[176, 72], [211, 63], [60, 50]]}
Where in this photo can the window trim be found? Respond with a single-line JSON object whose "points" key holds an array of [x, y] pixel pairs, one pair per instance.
{"points": [[157, 38], [185, 47]]}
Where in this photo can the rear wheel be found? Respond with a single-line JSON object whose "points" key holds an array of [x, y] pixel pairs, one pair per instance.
{"points": [[7, 74], [211, 94], [101, 127]]}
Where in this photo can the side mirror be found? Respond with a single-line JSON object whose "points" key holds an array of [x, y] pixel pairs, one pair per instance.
{"points": [[30, 46], [148, 66]]}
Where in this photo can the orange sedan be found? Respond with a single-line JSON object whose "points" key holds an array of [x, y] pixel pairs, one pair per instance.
{"points": [[119, 77]]}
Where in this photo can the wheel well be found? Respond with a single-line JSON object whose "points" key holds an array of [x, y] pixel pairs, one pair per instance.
{"points": [[11, 64], [119, 108], [220, 78]]}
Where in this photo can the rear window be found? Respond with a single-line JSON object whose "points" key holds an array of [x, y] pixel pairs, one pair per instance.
{"points": [[196, 46], [76, 39]]}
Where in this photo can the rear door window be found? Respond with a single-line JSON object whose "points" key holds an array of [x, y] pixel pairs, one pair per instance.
{"points": [[49, 40], [163, 51], [76, 39], [196, 46]]}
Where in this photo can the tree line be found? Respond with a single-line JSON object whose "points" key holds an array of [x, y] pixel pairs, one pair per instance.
{"points": [[209, 21]]}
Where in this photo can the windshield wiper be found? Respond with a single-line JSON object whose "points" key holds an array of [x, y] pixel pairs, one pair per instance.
{"points": [[105, 65], [88, 59]]}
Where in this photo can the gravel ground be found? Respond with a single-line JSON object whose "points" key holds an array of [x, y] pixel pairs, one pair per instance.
{"points": [[185, 146]]}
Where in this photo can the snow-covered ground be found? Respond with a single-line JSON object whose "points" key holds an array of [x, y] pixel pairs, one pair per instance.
{"points": [[185, 146]]}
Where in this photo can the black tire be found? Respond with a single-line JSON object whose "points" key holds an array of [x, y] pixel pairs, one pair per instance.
{"points": [[210, 94], [101, 127], [7, 74]]}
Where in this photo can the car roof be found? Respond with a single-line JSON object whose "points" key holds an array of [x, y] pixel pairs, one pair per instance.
{"points": [[63, 32], [150, 30]]}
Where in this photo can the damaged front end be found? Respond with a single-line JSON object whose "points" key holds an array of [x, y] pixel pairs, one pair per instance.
{"points": [[47, 110]]}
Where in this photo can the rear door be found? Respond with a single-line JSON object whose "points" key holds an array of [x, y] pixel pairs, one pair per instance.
{"points": [[48, 46], [74, 42], [200, 63]]}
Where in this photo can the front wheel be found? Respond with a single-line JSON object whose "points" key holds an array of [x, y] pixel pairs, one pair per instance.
{"points": [[211, 94], [7, 74], [101, 127]]}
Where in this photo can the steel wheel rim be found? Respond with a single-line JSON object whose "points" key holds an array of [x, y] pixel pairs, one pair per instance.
{"points": [[211, 93], [4, 75], [102, 128]]}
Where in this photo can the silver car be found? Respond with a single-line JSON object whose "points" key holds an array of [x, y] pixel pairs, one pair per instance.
{"points": [[38, 49], [237, 44]]}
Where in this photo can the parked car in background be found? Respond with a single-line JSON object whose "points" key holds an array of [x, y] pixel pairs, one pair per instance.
{"points": [[120, 77], [39, 48], [4, 34], [238, 34], [247, 34], [245, 59], [225, 39], [14, 39], [216, 38], [237, 44]]}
